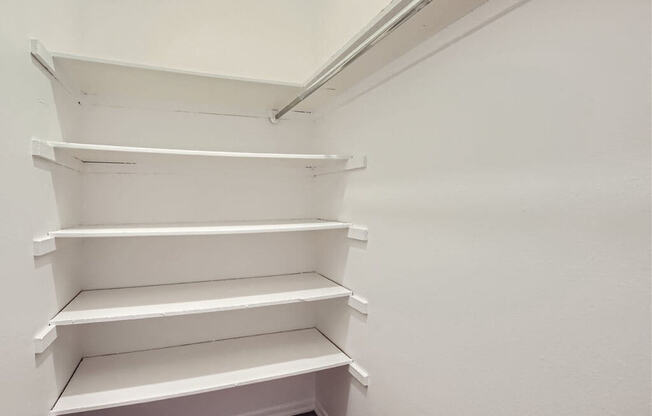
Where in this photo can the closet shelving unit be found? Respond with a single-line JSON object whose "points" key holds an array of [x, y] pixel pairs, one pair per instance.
{"points": [[136, 377]]}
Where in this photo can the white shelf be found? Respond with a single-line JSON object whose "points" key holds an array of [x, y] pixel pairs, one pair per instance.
{"points": [[166, 230], [145, 376], [108, 305], [97, 80], [93, 153]]}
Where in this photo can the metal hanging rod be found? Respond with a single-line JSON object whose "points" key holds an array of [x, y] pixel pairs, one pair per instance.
{"points": [[405, 14]]}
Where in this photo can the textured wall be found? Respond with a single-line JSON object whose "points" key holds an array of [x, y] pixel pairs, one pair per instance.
{"points": [[508, 204]]}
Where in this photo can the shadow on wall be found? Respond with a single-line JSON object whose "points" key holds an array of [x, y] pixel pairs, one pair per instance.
{"points": [[141, 334], [290, 395], [62, 357], [334, 387], [59, 273]]}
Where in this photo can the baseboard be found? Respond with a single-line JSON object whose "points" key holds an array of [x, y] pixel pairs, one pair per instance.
{"points": [[286, 409], [319, 409]]}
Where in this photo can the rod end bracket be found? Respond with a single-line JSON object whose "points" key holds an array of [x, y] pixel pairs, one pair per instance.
{"points": [[272, 117]]}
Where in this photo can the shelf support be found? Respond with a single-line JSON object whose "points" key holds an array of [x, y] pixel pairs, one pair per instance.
{"points": [[46, 60], [358, 232], [38, 51], [359, 303], [43, 150], [44, 338], [359, 373], [44, 245], [355, 162]]}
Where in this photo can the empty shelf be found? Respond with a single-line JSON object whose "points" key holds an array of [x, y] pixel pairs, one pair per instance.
{"points": [[145, 376], [161, 230], [107, 305], [96, 80], [93, 153]]}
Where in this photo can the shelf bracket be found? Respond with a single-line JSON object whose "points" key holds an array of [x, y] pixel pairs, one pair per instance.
{"points": [[359, 373], [46, 60], [359, 303], [38, 51], [355, 162], [43, 150], [358, 232], [43, 245], [44, 338]]}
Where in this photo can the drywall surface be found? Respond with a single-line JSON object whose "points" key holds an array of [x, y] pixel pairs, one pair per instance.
{"points": [[283, 40], [32, 289], [289, 396], [508, 202], [338, 21]]}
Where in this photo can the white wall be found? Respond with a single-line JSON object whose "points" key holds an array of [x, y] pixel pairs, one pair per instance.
{"points": [[338, 21], [282, 40], [277, 396], [508, 202], [32, 290]]}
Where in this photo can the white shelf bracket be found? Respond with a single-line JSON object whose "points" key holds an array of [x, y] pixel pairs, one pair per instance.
{"points": [[44, 338], [359, 373], [46, 60], [355, 162], [358, 232], [359, 303], [43, 150], [44, 245], [41, 54]]}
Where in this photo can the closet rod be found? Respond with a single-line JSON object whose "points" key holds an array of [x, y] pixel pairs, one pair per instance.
{"points": [[405, 14]]}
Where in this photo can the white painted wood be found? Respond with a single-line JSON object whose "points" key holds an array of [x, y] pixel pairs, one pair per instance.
{"points": [[44, 150], [42, 55], [43, 245], [189, 298], [251, 227], [144, 376], [89, 153], [359, 373], [46, 60], [116, 82], [358, 232], [355, 162], [359, 303], [44, 338]]}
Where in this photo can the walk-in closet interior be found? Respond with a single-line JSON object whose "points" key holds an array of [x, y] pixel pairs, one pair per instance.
{"points": [[351, 208]]}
